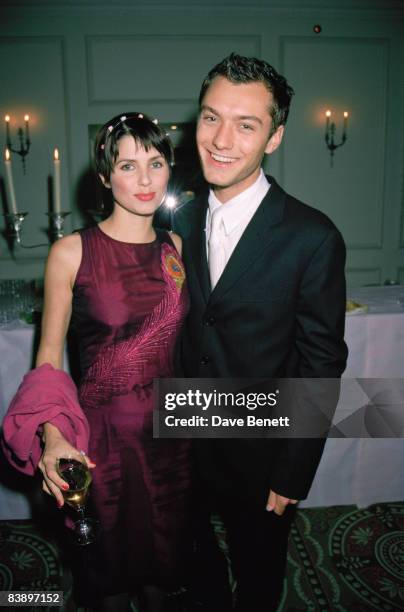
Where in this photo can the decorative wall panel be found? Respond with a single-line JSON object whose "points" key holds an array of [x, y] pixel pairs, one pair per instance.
{"points": [[339, 74], [144, 68]]}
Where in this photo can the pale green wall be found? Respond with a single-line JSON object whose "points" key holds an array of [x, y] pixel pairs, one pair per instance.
{"points": [[72, 67]]}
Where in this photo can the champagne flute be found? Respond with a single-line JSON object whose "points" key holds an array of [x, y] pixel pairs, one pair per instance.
{"points": [[74, 470]]}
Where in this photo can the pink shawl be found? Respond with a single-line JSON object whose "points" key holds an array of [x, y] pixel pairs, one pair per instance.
{"points": [[45, 395]]}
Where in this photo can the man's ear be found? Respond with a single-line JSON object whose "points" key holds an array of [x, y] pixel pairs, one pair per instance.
{"points": [[104, 181], [275, 140]]}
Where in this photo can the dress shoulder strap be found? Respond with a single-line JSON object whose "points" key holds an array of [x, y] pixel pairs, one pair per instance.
{"points": [[163, 236], [88, 237]]}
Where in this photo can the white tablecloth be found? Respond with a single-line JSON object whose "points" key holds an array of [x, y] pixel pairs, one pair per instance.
{"points": [[16, 341], [367, 471], [16, 350], [352, 471]]}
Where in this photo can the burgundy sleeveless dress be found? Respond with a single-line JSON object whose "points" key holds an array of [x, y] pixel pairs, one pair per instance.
{"points": [[129, 301]]}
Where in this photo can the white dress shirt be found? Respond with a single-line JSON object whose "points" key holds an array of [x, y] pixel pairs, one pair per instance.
{"points": [[232, 217]]}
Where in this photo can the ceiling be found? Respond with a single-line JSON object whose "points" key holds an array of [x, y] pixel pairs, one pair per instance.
{"points": [[262, 4]]}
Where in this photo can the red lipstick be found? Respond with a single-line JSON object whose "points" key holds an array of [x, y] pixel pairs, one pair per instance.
{"points": [[145, 197]]}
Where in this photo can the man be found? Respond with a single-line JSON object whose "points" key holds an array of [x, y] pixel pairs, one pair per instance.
{"points": [[266, 277]]}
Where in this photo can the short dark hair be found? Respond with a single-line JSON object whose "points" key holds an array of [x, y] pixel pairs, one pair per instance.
{"points": [[238, 69], [146, 133]]}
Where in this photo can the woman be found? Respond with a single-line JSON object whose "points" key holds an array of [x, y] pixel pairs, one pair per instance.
{"points": [[121, 284]]}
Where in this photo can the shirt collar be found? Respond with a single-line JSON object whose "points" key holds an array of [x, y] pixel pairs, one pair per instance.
{"points": [[235, 209]]}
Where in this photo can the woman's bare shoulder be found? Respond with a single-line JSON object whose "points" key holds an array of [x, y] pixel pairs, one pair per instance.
{"points": [[66, 251]]}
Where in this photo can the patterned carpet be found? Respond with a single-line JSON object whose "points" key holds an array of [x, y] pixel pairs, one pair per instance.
{"points": [[340, 558]]}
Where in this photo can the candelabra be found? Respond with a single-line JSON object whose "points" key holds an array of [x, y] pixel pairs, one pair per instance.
{"points": [[14, 223], [57, 220], [14, 218], [23, 136], [330, 134]]}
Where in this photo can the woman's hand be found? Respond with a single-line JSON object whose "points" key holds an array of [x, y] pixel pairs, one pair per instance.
{"points": [[56, 446]]}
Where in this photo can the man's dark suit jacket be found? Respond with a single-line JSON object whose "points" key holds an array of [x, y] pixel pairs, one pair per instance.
{"points": [[278, 310]]}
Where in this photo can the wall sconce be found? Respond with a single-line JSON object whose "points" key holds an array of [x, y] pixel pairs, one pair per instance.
{"points": [[23, 136], [330, 133]]}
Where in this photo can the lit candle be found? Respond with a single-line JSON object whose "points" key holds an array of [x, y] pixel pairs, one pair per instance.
{"points": [[7, 120], [346, 114], [26, 119], [327, 124], [10, 182], [56, 182]]}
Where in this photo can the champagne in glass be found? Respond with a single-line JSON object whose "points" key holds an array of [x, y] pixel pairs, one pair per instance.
{"points": [[75, 472], [78, 477]]}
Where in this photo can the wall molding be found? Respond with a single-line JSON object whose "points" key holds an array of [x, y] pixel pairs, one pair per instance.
{"points": [[384, 44], [43, 135], [157, 39], [353, 270], [401, 239]]}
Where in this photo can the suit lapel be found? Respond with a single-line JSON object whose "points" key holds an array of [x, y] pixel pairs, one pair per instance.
{"points": [[197, 240], [255, 239]]}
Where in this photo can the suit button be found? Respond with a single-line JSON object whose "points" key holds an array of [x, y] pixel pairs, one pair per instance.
{"points": [[205, 360], [210, 321]]}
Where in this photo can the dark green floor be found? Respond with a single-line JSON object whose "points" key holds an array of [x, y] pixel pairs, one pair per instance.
{"points": [[340, 558]]}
